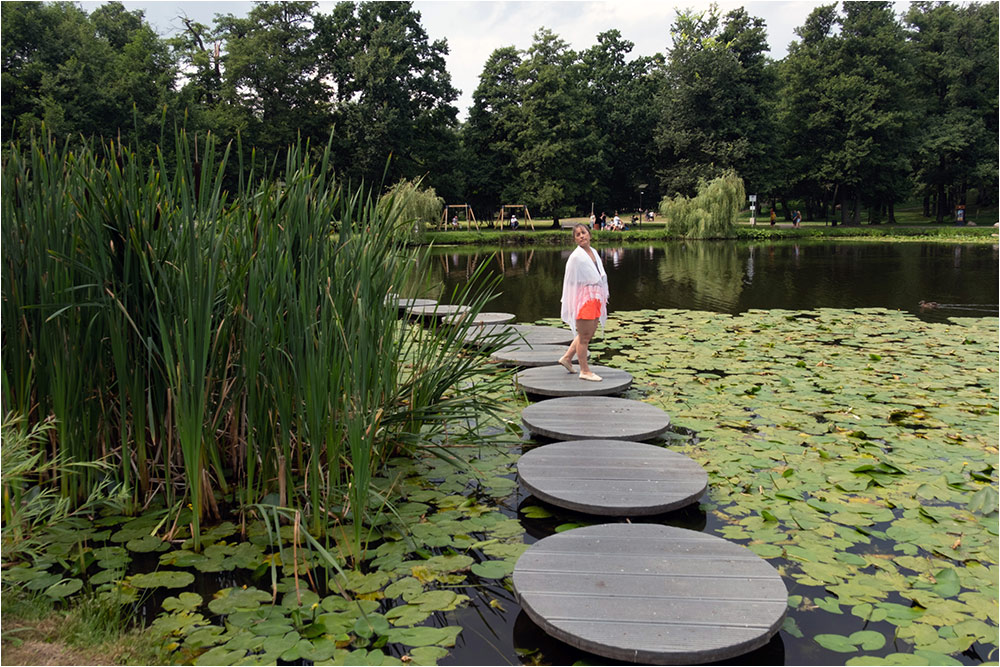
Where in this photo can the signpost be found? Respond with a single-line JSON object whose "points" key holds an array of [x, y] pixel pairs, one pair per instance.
{"points": [[753, 209]]}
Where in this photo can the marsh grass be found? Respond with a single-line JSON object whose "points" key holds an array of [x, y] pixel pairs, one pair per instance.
{"points": [[220, 346]]}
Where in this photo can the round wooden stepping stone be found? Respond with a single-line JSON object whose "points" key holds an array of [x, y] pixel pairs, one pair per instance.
{"points": [[555, 381], [529, 355], [520, 334], [435, 310], [406, 304], [651, 594], [595, 417], [481, 318], [611, 477]]}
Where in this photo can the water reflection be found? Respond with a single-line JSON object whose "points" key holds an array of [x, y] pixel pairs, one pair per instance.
{"points": [[690, 517], [734, 277]]}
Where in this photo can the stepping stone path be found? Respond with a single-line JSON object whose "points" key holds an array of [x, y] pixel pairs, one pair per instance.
{"points": [[643, 593], [435, 310], [481, 318], [651, 594], [611, 477], [585, 417], [556, 381], [529, 355], [519, 334]]}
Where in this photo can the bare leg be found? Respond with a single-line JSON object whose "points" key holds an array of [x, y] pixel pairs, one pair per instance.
{"points": [[566, 361], [585, 331]]}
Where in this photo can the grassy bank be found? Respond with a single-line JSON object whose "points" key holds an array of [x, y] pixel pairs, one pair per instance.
{"points": [[658, 232]]}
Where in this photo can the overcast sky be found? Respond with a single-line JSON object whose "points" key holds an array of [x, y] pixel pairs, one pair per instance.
{"points": [[475, 29]]}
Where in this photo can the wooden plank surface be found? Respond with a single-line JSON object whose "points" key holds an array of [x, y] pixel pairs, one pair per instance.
{"points": [[481, 318], [406, 304], [518, 334], [595, 417], [435, 310], [651, 594], [529, 356], [556, 381], [611, 477]]}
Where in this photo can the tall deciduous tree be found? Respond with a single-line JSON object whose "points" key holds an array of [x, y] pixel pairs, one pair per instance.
{"points": [[489, 135], [849, 107], [558, 142], [954, 54], [392, 94], [623, 93], [104, 74], [711, 109]]}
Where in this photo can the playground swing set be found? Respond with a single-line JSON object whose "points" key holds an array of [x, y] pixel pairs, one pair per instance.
{"points": [[503, 220], [468, 217]]}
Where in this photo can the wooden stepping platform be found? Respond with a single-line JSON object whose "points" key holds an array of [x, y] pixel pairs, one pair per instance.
{"points": [[529, 355], [435, 310], [651, 594], [481, 318], [611, 477], [555, 381], [406, 304], [595, 417], [519, 334]]}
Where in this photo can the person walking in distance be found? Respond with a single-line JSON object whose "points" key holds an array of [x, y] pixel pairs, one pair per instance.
{"points": [[584, 301]]}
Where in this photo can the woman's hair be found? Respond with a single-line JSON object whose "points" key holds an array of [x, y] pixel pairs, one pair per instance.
{"points": [[579, 224]]}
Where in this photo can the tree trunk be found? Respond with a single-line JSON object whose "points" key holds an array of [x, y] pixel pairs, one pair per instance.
{"points": [[892, 213], [940, 204], [845, 205], [927, 205]]}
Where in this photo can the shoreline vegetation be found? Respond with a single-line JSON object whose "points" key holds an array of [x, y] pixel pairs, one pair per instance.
{"points": [[545, 234]]}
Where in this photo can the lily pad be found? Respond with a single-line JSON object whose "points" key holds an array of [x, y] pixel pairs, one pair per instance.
{"points": [[161, 579]]}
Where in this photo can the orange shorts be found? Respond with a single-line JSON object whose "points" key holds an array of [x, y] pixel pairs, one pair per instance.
{"points": [[591, 310]]}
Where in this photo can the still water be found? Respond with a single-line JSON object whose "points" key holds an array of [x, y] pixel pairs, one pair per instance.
{"points": [[734, 277], [960, 280]]}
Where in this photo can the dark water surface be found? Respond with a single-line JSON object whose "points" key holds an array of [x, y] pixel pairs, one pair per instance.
{"points": [[734, 277], [723, 277]]}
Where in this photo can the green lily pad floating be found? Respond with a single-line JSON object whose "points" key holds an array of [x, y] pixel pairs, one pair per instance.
{"points": [[63, 588], [427, 655], [146, 544], [867, 640], [186, 602], [161, 579], [229, 600], [494, 569], [424, 636]]}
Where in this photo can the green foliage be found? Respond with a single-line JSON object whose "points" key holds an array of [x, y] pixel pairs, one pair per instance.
{"points": [[249, 334], [712, 214], [414, 206]]}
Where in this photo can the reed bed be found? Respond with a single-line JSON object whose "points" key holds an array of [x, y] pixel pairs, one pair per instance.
{"points": [[218, 343]]}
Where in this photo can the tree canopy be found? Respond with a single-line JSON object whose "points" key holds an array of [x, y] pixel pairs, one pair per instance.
{"points": [[867, 109]]}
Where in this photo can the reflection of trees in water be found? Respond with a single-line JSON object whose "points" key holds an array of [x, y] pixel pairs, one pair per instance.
{"points": [[703, 275]]}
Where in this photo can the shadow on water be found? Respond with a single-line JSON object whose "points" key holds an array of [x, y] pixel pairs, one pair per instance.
{"points": [[951, 280]]}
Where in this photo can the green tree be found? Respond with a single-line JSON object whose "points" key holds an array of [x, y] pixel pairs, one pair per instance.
{"points": [[392, 94], [848, 108], [272, 89], [105, 74], [488, 137], [954, 51], [557, 139], [711, 109], [623, 93]]}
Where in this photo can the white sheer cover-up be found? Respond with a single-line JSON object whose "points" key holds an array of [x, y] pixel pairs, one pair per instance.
{"points": [[583, 281]]}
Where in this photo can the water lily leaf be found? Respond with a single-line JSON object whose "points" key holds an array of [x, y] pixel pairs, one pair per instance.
{"points": [[371, 624], [146, 544], [869, 640], [947, 584], [317, 650], [229, 600], [448, 563], [425, 636], [161, 579], [407, 614], [427, 655], [64, 588], [107, 576], [220, 655], [535, 512], [497, 569], [791, 627], [838, 643], [186, 602], [984, 501]]}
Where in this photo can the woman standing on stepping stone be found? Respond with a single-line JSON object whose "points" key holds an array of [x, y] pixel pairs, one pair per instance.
{"points": [[584, 300]]}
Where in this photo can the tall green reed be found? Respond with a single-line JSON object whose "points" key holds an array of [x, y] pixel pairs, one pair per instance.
{"points": [[214, 340]]}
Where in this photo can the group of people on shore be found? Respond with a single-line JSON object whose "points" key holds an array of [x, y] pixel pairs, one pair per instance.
{"points": [[616, 224]]}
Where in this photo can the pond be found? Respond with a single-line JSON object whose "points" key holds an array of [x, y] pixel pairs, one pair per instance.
{"points": [[736, 277]]}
